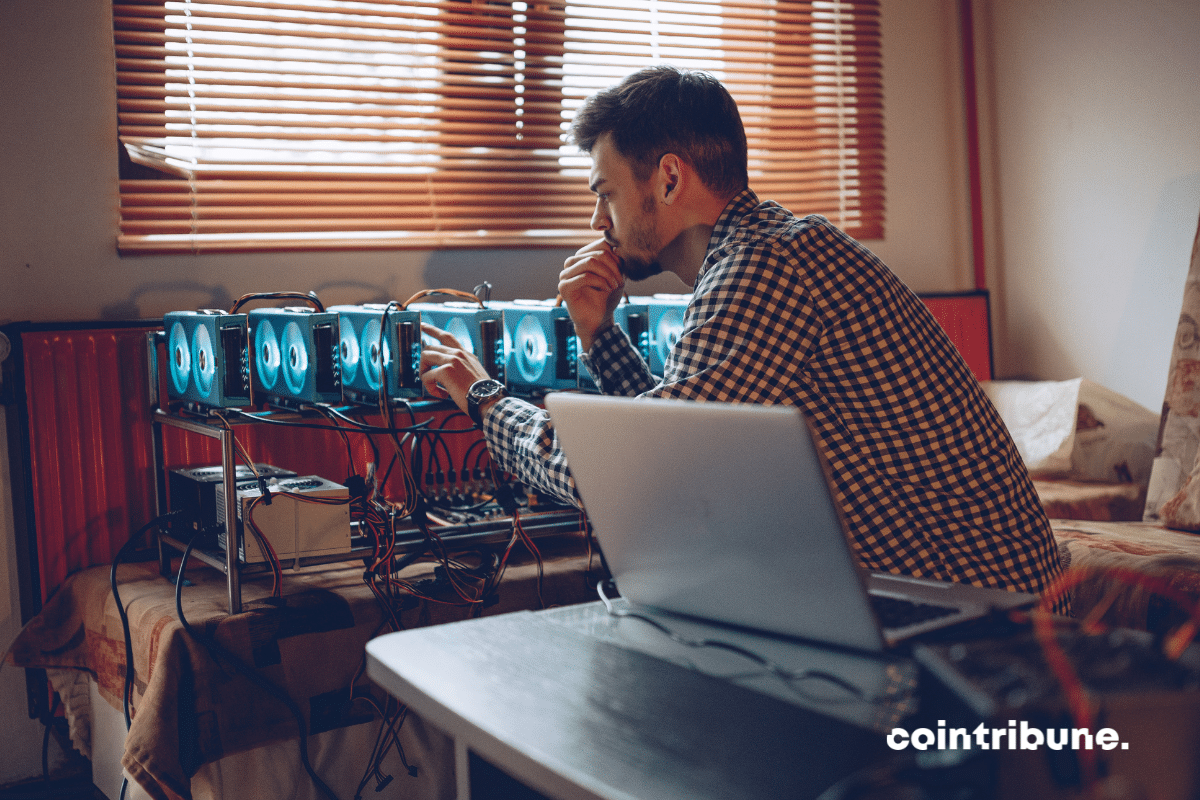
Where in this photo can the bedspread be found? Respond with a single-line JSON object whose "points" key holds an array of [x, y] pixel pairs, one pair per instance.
{"points": [[1100, 547], [191, 706], [1083, 500]]}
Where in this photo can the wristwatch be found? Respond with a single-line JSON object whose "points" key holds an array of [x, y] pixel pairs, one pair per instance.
{"points": [[480, 393]]}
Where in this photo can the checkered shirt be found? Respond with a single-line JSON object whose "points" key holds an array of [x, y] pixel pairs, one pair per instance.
{"points": [[793, 311]]}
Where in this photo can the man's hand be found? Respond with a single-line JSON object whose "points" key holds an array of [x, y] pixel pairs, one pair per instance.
{"points": [[447, 368], [591, 284]]}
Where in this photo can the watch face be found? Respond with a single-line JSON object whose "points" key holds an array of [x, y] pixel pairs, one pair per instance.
{"points": [[482, 390]]}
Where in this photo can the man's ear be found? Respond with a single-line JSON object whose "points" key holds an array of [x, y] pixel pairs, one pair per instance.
{"points": [[671, 177]]}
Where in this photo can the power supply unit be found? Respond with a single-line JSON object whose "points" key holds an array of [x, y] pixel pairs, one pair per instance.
{"points": [[195, 490], [294, 529]]}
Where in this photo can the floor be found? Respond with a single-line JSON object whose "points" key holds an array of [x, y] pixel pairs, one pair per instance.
{"points": [[77, 788]]}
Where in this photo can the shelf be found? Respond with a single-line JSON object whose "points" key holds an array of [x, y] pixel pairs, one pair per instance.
{"points": [[493, 532]]}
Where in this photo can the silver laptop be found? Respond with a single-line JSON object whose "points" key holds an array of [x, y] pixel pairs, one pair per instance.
{"points": [[723, 512]]}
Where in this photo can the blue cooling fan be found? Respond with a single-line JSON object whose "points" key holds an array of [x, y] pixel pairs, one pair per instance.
{"points": [[541, 346], [481, 330], [634, 319], [207, 358], [380, 346], [666, 325], [296, 359]]}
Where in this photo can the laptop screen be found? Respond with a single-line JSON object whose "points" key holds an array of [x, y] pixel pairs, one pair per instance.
{"points": [[719, 511]]}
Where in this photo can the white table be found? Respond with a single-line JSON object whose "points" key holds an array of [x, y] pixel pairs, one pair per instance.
{"points": [[571, 704]]}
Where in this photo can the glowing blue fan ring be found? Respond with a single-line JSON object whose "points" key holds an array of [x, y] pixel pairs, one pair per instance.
{"points": [[531, 347], [204, 361], [295, 354], [461, 332], [373, 365], [181, 358], [267, 355], [670, 328], [349, 353]]}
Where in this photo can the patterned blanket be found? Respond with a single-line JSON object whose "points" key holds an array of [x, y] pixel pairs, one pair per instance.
{"points": [[191, 705]]}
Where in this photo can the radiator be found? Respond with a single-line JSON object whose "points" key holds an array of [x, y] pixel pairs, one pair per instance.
{"points": [[79, 447]]}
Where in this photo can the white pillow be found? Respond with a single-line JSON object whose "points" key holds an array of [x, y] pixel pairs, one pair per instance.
{"points": [[1077, 429]]}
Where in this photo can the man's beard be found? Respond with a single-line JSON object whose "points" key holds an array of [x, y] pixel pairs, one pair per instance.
{"points": [[639, 269], [641, 238]]}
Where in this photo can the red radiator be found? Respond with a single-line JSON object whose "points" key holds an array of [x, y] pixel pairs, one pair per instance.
{"points": [[81, 459]]}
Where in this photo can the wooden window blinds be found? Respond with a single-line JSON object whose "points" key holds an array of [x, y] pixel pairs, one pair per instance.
{"points": [[331, 124]]}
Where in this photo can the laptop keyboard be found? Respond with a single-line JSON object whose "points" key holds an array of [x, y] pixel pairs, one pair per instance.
{"points": [[895, 612]]}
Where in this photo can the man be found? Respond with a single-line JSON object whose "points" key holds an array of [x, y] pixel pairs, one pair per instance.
{"points": [[784, 310]]}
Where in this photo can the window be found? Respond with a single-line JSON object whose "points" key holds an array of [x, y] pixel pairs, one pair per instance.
{"points": [[343, 124]]}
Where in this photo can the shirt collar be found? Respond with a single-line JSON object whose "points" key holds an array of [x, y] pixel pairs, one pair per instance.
{"points": [[742, 204]]}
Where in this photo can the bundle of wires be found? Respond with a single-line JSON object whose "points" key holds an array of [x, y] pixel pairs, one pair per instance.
{"points": [[1080, 702]]}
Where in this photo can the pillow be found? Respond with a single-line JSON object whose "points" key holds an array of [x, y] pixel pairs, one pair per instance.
{"points": [[1040, 416], [1077, 429]]}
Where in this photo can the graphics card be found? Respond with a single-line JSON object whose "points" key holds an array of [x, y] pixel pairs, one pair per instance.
{"points": [[635, 321], [295, 529], [541, 346], [481, 330], [296, 358], [207, 359], [380, 348], [666, 325]]}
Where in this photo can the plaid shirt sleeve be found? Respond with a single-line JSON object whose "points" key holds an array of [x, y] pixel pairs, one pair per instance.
{"points": [[521, 439], [793, 311]]}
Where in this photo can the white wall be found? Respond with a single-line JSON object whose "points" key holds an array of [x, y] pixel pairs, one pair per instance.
{"points": [[20, 737], [58, 211], [1095, 119]]}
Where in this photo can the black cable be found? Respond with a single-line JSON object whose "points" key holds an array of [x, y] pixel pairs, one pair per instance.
{"points": [[787, 676], [388, 472], [479, 460], [407, 407], [435, 461], [310, 298], [327, 411], [255, 677], [440, 438], [112, 580], [467, 456], [467, 509], [418, 427], [359, 424], [415, 461], [46, 739]]}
